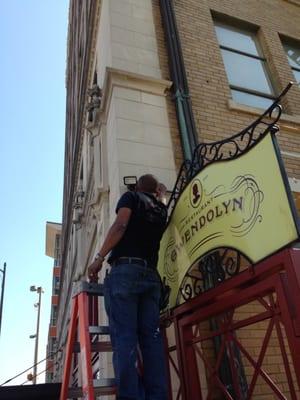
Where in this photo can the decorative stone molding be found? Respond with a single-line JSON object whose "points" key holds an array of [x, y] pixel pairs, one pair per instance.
{"points": [[93, 127], [97, 16], [118, 78], [285, 119]]}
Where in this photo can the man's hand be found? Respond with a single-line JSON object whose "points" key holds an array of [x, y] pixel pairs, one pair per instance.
{"points": [[93, 270], [114, 235], [161, 193]]}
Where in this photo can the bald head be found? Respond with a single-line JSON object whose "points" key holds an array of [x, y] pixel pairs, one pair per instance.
{"points": [[147, 183]]}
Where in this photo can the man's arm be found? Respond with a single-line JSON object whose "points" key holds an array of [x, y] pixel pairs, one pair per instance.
{"points": [[114, 235]]}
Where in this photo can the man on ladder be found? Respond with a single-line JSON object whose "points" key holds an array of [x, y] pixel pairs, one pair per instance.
{"points": [[132, 290]]}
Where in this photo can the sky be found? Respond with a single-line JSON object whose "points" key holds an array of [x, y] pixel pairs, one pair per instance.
{"points": [[33, 36]]}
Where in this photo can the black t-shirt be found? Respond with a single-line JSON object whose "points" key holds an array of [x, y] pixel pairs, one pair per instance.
{"points": [[142, 236]]}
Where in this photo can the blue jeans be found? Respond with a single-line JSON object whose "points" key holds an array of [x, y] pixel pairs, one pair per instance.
{"points": [[132, 295]]}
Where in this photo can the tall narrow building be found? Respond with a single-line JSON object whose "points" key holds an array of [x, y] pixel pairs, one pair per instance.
{"points": [[53, 240], [120, 122]]}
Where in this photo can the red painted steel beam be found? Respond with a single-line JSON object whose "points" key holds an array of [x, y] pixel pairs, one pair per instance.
{"points": [[279, 273], [261, 356], [168, 358], [240, 297], [213, 376], [234, 326], [285, 359], [192, 389], [263, 374], [247, 277], [289, 323]]}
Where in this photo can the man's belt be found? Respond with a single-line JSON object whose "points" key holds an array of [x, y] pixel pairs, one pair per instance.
{"points": [[132, 260]]}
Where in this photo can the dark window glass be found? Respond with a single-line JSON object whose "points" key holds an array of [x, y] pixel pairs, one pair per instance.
{"points": [[251, 99], [234, 38], [56, 283], [293, 55], [246, 72]]}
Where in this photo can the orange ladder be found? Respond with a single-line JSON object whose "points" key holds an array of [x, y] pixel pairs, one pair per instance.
{"points": [[83, 295]]}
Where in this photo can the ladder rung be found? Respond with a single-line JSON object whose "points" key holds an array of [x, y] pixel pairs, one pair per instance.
{"points": [[99, 330], [109, 383], [101, 387], [88, 287], [95, 347]]}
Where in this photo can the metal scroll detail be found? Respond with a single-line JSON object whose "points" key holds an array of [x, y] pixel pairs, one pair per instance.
{"points": [[182, 180], [229, 148], [211, 270]]}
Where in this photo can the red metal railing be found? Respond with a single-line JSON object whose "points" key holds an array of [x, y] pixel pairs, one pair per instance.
{"points": [[240, 340]]}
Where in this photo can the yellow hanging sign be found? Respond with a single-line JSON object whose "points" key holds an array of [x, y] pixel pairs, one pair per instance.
{"points": [[240, 204]]}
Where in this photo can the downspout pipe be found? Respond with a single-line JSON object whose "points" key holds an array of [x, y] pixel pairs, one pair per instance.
{"points": [[187, 128]]}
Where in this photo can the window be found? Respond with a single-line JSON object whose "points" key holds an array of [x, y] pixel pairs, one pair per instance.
{"points": [[53, 319], [293, 55], [56, 284], [245, 67], [57, 250]]}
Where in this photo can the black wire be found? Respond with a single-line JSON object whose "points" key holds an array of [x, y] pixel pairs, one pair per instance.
{"points": [[46, 369], [23, 372]]}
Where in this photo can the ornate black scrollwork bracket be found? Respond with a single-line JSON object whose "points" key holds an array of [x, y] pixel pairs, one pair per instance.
{"points": [[211, 270], [182, 180], [229, 148]]}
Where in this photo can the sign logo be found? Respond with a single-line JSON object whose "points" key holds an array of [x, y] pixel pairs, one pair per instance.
{"points": [[195, 193]]}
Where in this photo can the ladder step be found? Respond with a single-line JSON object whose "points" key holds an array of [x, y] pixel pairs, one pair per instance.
{"points": [[99, 330], [88, 287], [101, 387], [95, 347]]}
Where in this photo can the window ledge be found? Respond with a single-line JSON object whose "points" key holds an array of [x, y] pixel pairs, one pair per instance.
{"points": [[284, 122]]}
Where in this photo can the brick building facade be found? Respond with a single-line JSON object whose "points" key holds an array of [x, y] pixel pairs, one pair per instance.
{"points": [[217, 114]]}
